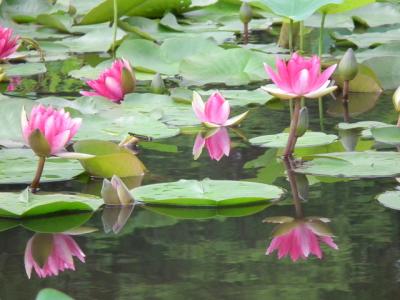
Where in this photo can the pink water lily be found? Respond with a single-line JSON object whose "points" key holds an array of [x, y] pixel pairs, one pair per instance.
{"points": [[300, 239], [215, 112], [299, 77], [55, 126], [114, 82], [8, 42], [59, 258], [217, 143]]}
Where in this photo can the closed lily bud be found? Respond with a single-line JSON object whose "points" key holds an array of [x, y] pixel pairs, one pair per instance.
{"points": [[348, 67], [115, 192], [128, 80], [396, 99], [302, 125], [157, 84], [245, 13], [2, 74]]}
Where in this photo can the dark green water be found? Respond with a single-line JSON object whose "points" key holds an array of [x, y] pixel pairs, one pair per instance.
{"points": [[161, 257]]}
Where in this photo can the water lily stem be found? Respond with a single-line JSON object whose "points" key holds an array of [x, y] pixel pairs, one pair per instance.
{"points": [[293, 186], [245, 33], [321, 35], [346, 88], [398, 122], [35, 183], [115, 27], [291, 36], [301, 43], [291, 143]]}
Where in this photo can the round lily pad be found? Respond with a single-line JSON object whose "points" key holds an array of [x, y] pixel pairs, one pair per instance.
{"points": [[206, 193], [309, 139], [390, 199], [387, 135], [26, 204], [353, 164], [19, 166]]}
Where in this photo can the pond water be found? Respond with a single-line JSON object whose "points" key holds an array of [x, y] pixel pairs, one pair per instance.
{"points": [[215, 255]]}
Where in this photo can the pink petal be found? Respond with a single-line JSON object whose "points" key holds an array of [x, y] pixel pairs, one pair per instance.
{"points": [[198, 146], [217, 109]]}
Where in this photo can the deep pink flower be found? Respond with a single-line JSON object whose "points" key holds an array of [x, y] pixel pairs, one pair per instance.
{"points": [[215, 112], [218, 144], [14, 82], [299, 77], [8, 42], [114, 82], [56, 126], [60, 257], [299, 240]]}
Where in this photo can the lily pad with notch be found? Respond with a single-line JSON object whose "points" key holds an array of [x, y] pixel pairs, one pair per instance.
{"points": [[309, 139]]}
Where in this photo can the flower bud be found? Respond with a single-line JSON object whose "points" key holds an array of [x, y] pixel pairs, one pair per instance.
{"points": [[128, 80], [245, 13], [348, 67], [396, 99], [157, 84], [302, 125], [115, 192], [2, 74]]}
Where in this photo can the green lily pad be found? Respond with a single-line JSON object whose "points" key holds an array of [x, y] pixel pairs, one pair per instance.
{"points": [[390, 199], [309, 139], [25, 69], [387, 68], [25, 204], [346, 5], [298, 10], [206, 193], [207, 213], [387, 135], [365, 82], [359, 103], [51, 294], [353, 164], [362, 125], [110, 159], [19, 166]]}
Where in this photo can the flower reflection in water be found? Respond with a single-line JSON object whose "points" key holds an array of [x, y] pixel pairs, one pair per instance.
{"points": [[14, 83], [216, 141], [50, 254], [299, 237]]}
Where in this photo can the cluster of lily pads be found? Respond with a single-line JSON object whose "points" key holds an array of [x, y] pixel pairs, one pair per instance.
{"points": [[120, 107]]}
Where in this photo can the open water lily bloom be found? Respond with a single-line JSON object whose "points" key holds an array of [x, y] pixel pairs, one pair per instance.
{"points": [[8, 42], [114, 82], [215, 112], [300, 240], [60, 257], [299, 77]]}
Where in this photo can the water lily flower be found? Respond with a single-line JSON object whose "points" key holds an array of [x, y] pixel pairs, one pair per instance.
{"points": [[14, 83], [8, 42], [50, 254], [215, 112], [114, 82], [217, 143], [299, 238], [299, 77], [115, 192], [48, 130]]}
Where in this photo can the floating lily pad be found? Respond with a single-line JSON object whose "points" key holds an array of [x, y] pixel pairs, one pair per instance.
{"points": [[19, 166], [206, 213], [25, 69], [387, 135], [390, 199], [206, 193], [26, 204], [50, 294], [358, 103], [309, 139], [110, 159], [353, 164]]}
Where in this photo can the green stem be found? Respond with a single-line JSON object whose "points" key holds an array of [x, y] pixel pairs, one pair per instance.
{"points": [[245, 33], [38, 175], [291, 36], [291, 108], [293, 126], [301, 43], [321, 35], [293, 186], [398, 122], [115, 27]]}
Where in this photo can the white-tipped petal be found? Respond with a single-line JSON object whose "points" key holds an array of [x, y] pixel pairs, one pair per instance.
{"points": [[109, 193], [322, 91], [277, 92], [236, 120], [74, 155], [211, 125], [124, 195]]}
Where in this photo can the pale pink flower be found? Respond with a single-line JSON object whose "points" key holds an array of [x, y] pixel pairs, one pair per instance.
{"points": [[114, 82], [14, 83], [62, 250], [300, 239], [8, 42], [56, 126], [299, 77], [215, 112], [218, 144]]}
